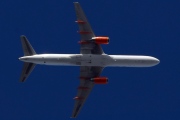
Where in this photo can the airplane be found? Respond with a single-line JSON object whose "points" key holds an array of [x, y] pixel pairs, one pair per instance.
{"points": [[92, 59]]}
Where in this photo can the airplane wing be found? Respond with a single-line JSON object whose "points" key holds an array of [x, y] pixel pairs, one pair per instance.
{"points": [[85, 86], [86, 32]]}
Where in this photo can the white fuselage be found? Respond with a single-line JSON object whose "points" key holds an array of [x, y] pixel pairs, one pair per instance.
{"points": [[103, 60]]}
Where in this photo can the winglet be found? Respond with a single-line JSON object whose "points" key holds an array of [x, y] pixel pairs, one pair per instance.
{"points": [[27, 48]]}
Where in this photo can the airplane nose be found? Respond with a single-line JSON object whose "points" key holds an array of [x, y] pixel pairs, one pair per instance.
{"points": [[156, 61], [152, 61]]}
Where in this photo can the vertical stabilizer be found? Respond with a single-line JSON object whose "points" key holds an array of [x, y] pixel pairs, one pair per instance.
{"points": [[27, 48]]}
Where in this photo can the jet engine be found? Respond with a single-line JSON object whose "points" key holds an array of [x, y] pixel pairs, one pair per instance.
{"points": [[100, 80], [101, 40]]}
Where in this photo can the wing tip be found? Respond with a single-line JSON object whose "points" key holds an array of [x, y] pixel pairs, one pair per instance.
{"points": [[22, 36], [76, 2]]}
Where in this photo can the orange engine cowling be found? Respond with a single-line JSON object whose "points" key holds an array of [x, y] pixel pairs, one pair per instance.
{"points": [[100, 80], [101, 40]]}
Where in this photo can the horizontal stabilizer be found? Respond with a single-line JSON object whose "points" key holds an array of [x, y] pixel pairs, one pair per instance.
{"points": [[27, 48], [27, 69]]}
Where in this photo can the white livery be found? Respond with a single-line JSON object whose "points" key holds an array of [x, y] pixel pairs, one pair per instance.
{"points": [[102, 60], [92, 59]]}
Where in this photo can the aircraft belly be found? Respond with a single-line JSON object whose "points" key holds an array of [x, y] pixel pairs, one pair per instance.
{"points": [[132, 61], [60, 61], [55, 59], [91, 60], [75, 60]]}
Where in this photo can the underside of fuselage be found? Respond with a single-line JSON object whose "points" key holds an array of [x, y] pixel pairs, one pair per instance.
{"points": [[91, 60]]}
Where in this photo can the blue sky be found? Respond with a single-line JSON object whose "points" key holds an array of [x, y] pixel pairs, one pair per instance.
{"points": [[136, 27]]}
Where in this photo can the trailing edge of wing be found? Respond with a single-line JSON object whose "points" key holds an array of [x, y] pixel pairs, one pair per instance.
{"points": [[27, 48], [27, 69]]}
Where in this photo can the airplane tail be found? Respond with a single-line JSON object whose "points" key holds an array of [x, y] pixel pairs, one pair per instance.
{"points": [[27, 48], [28, 51]]}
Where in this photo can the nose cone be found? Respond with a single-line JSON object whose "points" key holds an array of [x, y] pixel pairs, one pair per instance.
{"points": [[158, 61], [155, 61]]}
